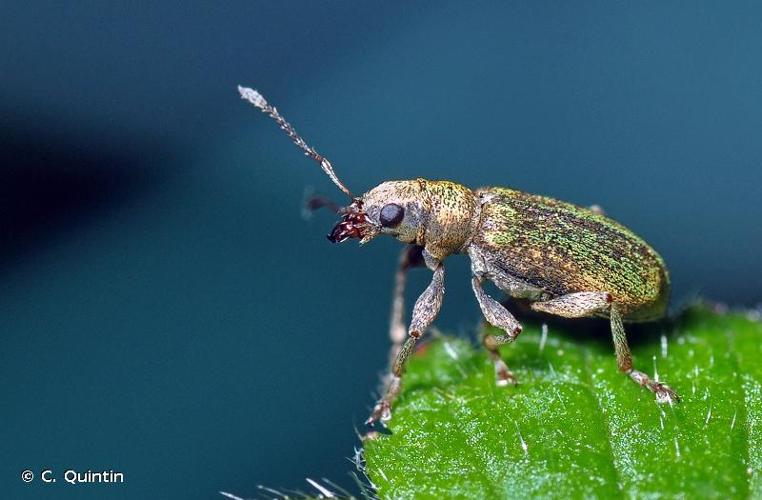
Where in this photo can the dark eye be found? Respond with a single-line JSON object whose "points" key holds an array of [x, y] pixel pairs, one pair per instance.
{"points": [[391, 215]]}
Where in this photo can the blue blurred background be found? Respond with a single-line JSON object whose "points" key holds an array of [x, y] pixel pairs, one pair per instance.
{"points": [[165, 309]]}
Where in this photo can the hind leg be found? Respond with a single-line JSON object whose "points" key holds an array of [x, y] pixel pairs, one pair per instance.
{"points": [[575, 305], [585, 304], [664, 394]]}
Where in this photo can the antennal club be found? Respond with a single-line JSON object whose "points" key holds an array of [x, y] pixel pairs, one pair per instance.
{"points": [[255, 98]]}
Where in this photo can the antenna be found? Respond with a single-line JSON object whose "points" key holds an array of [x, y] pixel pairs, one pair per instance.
{"points": [[255, 98]]}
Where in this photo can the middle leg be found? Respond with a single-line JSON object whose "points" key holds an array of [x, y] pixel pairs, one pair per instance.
{"points": [[497, 315]]}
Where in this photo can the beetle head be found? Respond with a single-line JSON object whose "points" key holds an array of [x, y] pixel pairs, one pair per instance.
{"points": [[396, 208]]}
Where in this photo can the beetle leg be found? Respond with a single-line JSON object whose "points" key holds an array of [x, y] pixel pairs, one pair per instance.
{"points": [[410, 256], [503, 375], [425, 311], [575, 305], [586, 304], [497, 315], [664, 394]]}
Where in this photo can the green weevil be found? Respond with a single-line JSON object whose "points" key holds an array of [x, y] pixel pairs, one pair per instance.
{"points": [[564, 259]]}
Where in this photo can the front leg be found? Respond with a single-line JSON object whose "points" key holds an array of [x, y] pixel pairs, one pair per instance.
{"points": [[425, 311], [410, 257]]}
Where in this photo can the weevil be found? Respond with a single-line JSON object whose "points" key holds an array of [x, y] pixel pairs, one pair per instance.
{"points": [[565, 260]]}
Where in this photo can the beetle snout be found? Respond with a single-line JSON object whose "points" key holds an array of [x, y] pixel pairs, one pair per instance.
{"points": [[354, 224]]}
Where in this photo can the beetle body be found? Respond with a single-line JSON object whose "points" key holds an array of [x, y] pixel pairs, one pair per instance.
{"points": [[566, 260], [561, 248], [532, 247]]}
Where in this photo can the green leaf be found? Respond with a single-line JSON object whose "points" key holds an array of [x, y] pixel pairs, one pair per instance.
{"points": [[574, 426]]}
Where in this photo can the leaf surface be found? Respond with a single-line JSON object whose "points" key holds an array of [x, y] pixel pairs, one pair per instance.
{"points": [[574, 426]]}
